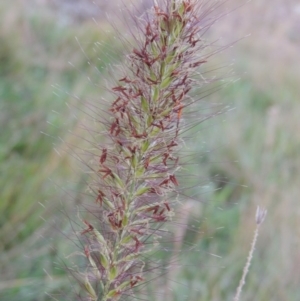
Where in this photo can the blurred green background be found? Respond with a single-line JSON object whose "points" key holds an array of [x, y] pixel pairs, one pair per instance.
{"points": [[249, 156]]}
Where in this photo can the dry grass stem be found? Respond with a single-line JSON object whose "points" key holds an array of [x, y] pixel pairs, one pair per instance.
{"points": [[259, 217]]}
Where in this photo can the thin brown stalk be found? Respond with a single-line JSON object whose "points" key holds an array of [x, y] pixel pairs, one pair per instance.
{"points": [[260, 216]]}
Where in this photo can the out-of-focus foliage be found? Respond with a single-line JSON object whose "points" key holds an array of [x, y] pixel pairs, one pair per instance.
{"points": [[37, 109]]}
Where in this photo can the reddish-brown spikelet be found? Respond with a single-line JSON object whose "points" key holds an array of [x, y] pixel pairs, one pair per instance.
{"points": [[136, 171]]}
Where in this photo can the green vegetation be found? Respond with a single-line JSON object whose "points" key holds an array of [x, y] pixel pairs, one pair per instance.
{"points": [[33, 116], [255, 154]]}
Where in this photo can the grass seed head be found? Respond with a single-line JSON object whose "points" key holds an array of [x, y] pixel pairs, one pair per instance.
{"points": [[136, 171]]}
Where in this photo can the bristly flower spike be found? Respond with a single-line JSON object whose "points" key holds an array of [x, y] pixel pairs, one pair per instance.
{"points": [[136, 170]]}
